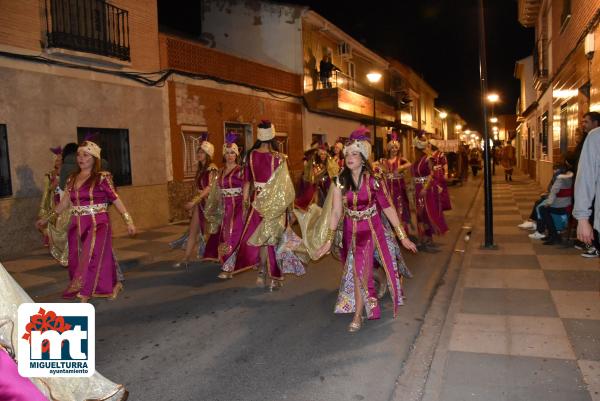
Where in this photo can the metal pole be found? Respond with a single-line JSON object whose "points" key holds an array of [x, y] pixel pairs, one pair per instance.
{"points": [[487, 177], [374, 121]]}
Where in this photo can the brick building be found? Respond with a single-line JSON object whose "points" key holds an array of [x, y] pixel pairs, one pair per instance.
{"points": [[566, 78], [62, 66], [211, 92]]}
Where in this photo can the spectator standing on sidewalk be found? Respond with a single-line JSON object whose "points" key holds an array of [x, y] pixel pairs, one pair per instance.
{"points": [[587, 185], [509, 159]]}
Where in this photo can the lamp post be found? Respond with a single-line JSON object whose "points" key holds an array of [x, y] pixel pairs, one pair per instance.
{"points": [[443, 116], [373, 78]]}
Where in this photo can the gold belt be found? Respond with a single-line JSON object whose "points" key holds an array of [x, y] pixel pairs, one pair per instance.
{"points": [[361, 214], [89, 209], [229, 192], [437, 167], [391, 176]]}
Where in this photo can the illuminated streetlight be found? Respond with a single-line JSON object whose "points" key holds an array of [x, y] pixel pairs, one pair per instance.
{"points": [[374, 77], [494, 120], [443, 115], [458, 127], [493, 97]]}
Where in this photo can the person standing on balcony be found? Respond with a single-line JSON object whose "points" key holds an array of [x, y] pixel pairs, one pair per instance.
{"points": [[394, 168], [326, 68], [509, 160]]}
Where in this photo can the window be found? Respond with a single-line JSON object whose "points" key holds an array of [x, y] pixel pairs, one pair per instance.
{"points": [[191, 136], [115, 150], [544, 134], [282, 140], [5, 183], [244, 140]]}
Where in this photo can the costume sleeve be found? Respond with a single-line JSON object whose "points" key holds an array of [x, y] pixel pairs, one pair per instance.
{"points": [[379, 189], [46, 203], [106, 184]]}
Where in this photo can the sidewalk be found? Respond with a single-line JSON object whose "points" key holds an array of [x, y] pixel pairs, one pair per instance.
{"points": [[524, 319], [40, 275]]}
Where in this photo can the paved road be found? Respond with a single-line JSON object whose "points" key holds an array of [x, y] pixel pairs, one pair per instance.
{"points": [[190, 336]]}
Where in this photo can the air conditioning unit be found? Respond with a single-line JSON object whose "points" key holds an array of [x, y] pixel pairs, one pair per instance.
{"points": [[344, 50]]}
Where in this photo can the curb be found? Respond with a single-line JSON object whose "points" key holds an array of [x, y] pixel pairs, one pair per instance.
{"points": [[413, 380]]}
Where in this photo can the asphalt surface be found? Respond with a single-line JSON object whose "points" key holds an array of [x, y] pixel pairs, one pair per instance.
{"points": [[176, 335]]}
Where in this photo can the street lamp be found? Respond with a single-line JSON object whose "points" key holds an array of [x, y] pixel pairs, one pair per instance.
{"points": [[373, 78], [493, 98], [443, 116], [494, 120]]}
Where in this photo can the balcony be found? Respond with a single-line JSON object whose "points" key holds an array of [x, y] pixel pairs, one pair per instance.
{"points": [[540, 65], [528, 12], [89, 26], [344, 96]]}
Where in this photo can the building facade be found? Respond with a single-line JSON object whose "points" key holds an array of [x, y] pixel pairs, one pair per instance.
{"points": [[566, 75], [62, 69], [210, 93]]}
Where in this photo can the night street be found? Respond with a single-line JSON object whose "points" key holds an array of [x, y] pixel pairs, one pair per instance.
{"points": [[190, 336], [200, 200]]}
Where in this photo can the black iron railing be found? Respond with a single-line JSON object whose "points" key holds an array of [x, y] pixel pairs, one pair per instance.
{"points": [[91, 26]]}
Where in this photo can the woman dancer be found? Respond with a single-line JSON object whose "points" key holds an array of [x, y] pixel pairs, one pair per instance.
{"points": [[338, 153], [208, 247], [230, 183], [356, 196], [13, 387], [266, 172], [440, 165], [430, 219], [394, 168], [315, 179], [50, 195], [92, 266]]}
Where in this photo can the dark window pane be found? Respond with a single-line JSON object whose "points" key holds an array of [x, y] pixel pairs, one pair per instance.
{"points": [[5, 182], [115, 150]]}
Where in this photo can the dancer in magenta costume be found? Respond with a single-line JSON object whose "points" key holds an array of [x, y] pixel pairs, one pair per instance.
{"points": [[430, 219], [394, 168], [260, 164], [315, 179], [438, 158], [231, 183], [357, 195], [92, 266], [206, 174]]}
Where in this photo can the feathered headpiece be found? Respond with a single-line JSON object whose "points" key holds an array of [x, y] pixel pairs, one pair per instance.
{"points": [[56, 151], [230, 144], [393, 140], [266, 131], [90, 148], [359, 142]]}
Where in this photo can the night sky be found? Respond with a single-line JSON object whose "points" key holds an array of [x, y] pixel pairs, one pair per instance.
{"points": [[437, 38]]}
